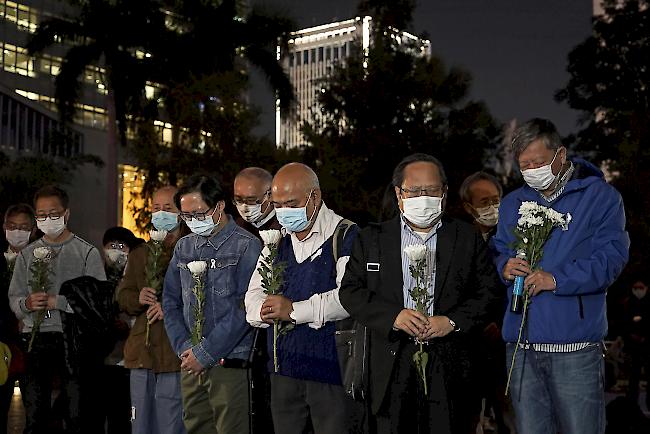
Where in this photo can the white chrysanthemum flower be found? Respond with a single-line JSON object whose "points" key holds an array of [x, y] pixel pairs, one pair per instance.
{"points": [[271, 237], [42, 253], [197, 267], [157, 236], [10, 256], [416, 252]]}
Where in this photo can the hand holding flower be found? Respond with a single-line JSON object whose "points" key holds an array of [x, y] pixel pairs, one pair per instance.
{"points": [[147, 296], [276, 307], [539, 281], [154, 313], [411, 322], [36, 301], [190, 364], [438, 327]]}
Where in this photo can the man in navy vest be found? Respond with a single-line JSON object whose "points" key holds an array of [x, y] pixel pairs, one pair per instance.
{"points": [[306, 389]]}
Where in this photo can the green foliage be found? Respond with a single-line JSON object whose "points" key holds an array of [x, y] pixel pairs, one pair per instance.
{"points": [[39, 281], [21, 177], [373, 111], [199, 319], [610, 85]]}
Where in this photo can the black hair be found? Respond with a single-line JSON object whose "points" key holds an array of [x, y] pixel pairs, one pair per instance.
{"points": [[398, 173], [21, 208], [463, 192], [53, 191], [119, 233], [207, 186]]}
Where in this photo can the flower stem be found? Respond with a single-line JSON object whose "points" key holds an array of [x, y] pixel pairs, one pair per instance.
{"points": [[424, 373], [514, 354], [275, 344], [35, 329]]}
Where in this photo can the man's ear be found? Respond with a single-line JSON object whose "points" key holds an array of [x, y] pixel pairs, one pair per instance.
{"points": [[468, 208]]}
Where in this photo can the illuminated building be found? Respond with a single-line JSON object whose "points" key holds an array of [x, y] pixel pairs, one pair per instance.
{"points": [[312, 53]]}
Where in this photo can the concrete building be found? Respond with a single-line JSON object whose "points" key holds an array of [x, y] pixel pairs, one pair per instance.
{"points": [[312, 53]]}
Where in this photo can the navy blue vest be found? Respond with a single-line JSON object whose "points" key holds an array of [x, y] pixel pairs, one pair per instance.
{"points": [[305, 353]]}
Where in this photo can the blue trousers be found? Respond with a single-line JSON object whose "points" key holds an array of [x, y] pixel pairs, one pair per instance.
{"points": [[157, 407], [558, 392]]}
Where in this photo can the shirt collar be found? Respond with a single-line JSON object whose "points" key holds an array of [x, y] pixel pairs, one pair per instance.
{"points": [[325, 219], [265, 219], [432, 231]]}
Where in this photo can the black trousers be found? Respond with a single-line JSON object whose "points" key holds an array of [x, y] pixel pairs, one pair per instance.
{"points": [[301, 406], [405, 408], [43, 366]]}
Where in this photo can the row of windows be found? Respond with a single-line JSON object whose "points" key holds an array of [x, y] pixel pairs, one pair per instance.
{"points": [[87, 115], [25, 129], [25, 17], [15, 59], [320, 54]]}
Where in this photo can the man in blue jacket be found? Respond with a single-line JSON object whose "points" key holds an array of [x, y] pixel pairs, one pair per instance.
{"points": [[557, 379]]}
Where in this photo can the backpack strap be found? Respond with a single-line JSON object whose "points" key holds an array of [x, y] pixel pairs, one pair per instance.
{"points": [[339, 236]]}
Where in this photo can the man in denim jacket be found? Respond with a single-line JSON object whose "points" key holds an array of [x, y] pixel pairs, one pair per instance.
{"points": [[215, 397]]}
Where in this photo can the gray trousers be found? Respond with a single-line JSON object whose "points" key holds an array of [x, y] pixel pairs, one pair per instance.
{"points": [[156, 404], [295, 403]]}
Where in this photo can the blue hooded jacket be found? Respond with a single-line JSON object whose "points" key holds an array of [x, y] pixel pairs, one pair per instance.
{"points": [[584, 260]]}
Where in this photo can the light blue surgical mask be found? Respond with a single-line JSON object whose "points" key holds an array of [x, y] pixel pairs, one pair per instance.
{"points": [[164, 220], [294, 219], [204, 227]]}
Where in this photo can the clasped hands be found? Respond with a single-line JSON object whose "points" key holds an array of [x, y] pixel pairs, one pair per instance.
{"points": [[149, 298], [535, 282], [421, 326], [276, 307], [40, 301]]}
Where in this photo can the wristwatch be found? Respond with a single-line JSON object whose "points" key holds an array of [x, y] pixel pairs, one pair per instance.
{"points": [[453, 324]]}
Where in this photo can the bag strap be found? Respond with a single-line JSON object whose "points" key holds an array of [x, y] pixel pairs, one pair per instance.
{"points": [[339, 236]]}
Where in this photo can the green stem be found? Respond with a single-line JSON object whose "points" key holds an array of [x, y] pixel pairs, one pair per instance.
{"points": [[424, 372], [514, 354], [35, 329], [275, 344]]}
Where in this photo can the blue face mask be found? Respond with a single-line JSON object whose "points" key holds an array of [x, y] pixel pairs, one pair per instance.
{"points": [[204, 227], [294, 219], [164, 221]]}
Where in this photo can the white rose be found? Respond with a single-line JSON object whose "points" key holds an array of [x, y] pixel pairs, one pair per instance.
{"points": [[271, 237], [10, 256], [197, 267], [157, 236], [416, 252], [41, 253]]}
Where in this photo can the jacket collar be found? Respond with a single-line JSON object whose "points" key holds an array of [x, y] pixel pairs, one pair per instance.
{"points": [[216, 240]]}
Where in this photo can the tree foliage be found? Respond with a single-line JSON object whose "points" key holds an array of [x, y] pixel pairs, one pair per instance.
{"points": [[376, 109], [610, 85]]}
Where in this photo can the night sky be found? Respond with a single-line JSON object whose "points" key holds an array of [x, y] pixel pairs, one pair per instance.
{"points": [[516, 50]]}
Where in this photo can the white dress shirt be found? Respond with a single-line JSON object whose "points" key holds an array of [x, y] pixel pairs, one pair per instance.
{"points": [[319, 308]]}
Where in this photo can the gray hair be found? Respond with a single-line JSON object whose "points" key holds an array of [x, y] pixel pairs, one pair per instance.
{"points": [[535, 129], [398, 173], [463, 192], [257, 173]]}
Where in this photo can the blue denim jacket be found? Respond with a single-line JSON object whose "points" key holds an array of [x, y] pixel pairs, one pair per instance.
{"points": [[231, 255]]}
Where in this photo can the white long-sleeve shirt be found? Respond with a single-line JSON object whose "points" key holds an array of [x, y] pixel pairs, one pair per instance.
{"points": [[319, 308]]}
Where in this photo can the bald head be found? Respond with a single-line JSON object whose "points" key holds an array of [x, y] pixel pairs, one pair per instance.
{"points": [[298, 174], [163, 199]]}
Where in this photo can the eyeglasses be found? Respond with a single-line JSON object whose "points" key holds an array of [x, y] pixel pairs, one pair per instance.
{"points": [[13, 227], [117, 245], [250, 200], [198, 215], [421, 191], [52, 216]]}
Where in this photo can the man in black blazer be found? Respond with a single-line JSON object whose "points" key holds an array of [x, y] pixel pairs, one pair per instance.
{"points": [[464, 287]]}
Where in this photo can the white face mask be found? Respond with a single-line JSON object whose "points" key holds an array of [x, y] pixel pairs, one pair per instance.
{"points": [[541, 178], [251, 213], [17, 238], [488, 216], [52, 228], [116, 257], [639, 293], [422, 211]]}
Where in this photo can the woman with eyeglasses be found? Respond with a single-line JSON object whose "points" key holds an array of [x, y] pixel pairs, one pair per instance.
{"points": [[213, 384]]}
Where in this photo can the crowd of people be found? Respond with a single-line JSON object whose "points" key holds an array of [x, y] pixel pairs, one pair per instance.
{"points": [[290, 318]]}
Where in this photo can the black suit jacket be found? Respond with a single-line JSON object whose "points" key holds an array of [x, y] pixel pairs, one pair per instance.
{"points": [[466, 290]]}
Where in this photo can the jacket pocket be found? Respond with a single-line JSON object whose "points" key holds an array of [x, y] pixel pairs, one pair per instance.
{"points": [[221, 271]]}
